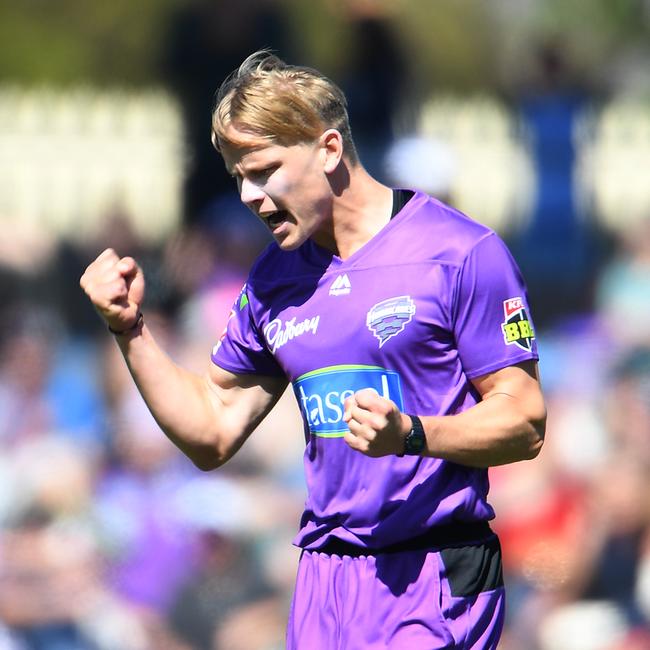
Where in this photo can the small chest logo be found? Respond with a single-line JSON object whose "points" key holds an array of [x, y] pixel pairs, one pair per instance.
{"points": [[389, 317], [517, 329], [278, 334], [341, 286]]}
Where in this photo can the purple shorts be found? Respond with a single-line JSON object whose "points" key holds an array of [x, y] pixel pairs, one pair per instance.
{"points": [[450, 598]]}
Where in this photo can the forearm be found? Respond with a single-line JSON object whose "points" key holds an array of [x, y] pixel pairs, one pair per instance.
{"points": [[498, 430], [181, 402], [203, 418]]}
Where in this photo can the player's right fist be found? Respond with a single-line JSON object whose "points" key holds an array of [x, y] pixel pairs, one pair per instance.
{"points": [[115, 286]]}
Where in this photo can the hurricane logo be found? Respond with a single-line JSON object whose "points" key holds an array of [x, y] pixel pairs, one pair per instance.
{"points": [[389, 317]]}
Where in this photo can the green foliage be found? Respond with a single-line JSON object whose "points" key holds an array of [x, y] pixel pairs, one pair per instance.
{"points": [[450, 42], [607, 20], [75, 40], [456, 45], [594, 29], [320, 32]]}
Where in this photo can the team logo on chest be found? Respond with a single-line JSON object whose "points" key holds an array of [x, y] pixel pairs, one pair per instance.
{"points": [[389, 317], [517, 329]]}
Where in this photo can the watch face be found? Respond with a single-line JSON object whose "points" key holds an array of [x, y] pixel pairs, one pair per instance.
{"points": [[414, 442]]}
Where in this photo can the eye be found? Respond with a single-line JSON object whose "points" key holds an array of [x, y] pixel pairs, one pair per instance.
{"points": [[262, 174]]}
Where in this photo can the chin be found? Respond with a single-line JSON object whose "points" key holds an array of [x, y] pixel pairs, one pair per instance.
{"points": [[290, 243], [288, 246]]}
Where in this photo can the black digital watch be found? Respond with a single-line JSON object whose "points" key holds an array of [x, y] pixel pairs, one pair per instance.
{"points": [[415, 440]]}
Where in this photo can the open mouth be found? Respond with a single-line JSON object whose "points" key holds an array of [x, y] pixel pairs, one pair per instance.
{"points": [[276, 219]]}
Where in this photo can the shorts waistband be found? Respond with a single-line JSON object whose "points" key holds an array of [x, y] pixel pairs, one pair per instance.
{"points": [[438, 537]]}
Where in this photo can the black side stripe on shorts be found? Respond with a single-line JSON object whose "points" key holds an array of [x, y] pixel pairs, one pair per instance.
{"points": [[473, 569]]}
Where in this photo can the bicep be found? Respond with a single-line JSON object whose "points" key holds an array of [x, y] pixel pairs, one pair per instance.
{"points": [[243, 400]]}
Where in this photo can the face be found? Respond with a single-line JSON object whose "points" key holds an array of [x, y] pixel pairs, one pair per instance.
{"points": [[287, 188]]}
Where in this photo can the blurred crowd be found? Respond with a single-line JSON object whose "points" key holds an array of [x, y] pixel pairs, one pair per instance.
{"points": [[111, 540]]}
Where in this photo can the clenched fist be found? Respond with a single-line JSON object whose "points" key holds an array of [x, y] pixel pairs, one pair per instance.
{"points": [[377, 427], [115, 286]]}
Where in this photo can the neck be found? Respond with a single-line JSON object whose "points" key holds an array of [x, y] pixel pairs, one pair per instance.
{"points": [[360, 209]]}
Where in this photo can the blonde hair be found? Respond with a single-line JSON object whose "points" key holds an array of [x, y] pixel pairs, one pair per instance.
{"points": [[273, 102]]}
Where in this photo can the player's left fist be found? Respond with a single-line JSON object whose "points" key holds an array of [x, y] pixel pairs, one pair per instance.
{"points": [[377, 426]]}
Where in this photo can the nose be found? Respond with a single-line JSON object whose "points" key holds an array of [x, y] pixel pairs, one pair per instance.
{"points": [[250, 193]]}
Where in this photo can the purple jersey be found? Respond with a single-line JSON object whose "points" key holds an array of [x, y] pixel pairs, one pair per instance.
{"points": [[432, 301]]}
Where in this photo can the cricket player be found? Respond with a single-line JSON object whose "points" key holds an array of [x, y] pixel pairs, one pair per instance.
{"points": [[404, 329]]}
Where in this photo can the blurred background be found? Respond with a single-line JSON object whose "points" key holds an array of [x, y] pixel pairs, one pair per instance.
{"points": [[532, 116]]}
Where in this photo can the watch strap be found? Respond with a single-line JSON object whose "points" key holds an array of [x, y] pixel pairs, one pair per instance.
{"points": [[415, 440]]}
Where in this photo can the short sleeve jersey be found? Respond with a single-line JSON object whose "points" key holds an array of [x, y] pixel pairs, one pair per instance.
{"points": [[431, 302]]}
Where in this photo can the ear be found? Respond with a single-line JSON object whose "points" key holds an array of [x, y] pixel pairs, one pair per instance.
{"points": [[332, 145]]}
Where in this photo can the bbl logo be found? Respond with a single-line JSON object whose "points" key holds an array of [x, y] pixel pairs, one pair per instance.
{"points": [[517, 329], [321, 394], [389, 317]]}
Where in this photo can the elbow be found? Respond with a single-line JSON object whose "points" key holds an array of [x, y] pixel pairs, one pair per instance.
{"points": [[534, 448], [207, 459], [205, 464], [537, 433], [208, 450]]}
